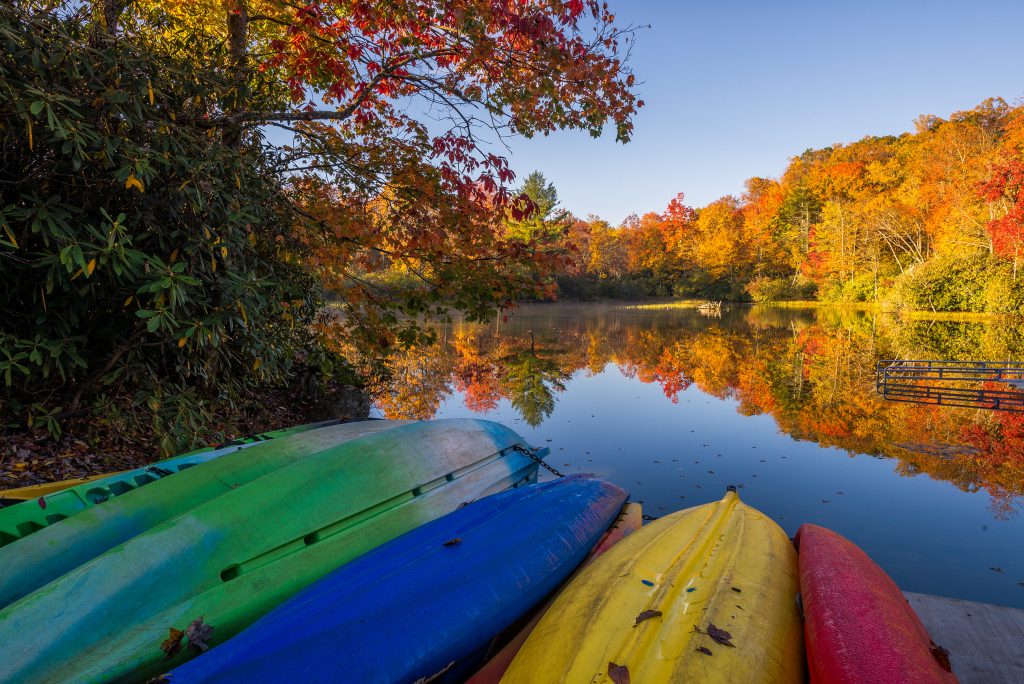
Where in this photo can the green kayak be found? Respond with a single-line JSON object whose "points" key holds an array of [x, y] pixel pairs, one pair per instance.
{"points": [[223, 564], [31, 516], [48, 553]]}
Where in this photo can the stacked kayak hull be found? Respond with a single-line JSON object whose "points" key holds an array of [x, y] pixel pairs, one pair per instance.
{"points": [[629, 521], [660, 605], [10, 497], [858, 625], [31, 561], [231, 559], [424, 603], [99, 488]]}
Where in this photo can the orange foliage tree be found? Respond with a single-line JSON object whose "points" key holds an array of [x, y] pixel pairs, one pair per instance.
{"points": [[400, 206], [906, 216]]}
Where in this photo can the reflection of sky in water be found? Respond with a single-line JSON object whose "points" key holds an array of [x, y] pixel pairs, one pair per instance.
{"points": [[929, 535]]}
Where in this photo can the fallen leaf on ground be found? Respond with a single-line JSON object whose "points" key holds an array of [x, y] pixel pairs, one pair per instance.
{"points": [[646, 615], [720, 635], [172, 644], [618, 673], [198, 634]]}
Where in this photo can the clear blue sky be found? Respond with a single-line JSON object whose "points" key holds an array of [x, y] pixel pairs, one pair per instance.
{"points": [[734, 88]]}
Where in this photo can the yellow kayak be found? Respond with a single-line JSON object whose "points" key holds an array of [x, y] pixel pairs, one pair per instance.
{"points": [[707, 594], [36, 491]]}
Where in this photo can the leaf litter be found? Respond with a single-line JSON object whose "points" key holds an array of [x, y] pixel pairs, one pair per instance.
{"points": [[720, 635], [646, 615], [618, 673], [198, 635], [172, 644]]}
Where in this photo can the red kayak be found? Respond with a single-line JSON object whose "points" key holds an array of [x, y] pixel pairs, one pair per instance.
{"points": [[858, 627]]}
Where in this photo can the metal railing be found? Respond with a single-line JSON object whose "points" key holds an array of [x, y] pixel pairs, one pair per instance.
{"points": [[953, 383]]}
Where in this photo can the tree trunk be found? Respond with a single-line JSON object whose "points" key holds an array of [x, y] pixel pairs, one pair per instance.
{"points": [[238, 48], [106, 16]]}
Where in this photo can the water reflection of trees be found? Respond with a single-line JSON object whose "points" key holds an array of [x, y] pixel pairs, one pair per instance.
{"points": [[812, 371]]}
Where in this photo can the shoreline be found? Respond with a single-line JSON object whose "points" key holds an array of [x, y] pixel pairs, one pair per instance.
{"points": [[917, 314]]}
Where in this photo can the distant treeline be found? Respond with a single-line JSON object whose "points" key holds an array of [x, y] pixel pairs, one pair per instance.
{"points": [[930, 220]]}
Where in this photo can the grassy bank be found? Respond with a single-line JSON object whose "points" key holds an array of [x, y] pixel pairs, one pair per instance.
{"points": [[911, 315], [680, 304], [800, 304]]}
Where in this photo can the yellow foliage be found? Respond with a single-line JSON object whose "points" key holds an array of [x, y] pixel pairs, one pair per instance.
{"points": [[134, 182]]}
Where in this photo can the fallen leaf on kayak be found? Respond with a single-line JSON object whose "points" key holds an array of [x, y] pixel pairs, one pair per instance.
{"points": [[198, 634], [704, 650], [994, 569], [42, 502], [646, 615], [618, 673], [737, 590], [172, 644], [720, 635], [941, 655], [452, 542]]}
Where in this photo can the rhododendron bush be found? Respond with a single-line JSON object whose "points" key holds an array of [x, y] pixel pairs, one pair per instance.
{"points": [[186, 181]]}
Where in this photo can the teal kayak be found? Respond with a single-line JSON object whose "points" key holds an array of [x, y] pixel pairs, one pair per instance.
{"points": [[227, 562], [31, 516], [43, 556]]}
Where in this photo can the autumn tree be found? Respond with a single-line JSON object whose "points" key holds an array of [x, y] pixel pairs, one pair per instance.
{"points": [[645, 246], [719, 247], [677, 225], [608, 254], [149, 194], [951, 160], [1006, 188]]}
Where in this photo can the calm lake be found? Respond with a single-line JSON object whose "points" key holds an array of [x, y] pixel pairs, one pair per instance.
{"points": [[674, 406]]}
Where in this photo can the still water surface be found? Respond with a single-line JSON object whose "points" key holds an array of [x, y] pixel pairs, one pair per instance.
{"points": [[674, 406]]}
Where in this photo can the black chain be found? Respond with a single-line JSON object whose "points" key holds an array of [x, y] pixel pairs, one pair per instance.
{"points": [[529, 452], [554, 471]]}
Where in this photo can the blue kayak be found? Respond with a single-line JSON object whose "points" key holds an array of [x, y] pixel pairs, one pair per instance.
{"points": [[423, 603]]}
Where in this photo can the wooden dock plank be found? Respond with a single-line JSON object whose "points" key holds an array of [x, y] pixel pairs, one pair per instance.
{"points": [[985, 642]]}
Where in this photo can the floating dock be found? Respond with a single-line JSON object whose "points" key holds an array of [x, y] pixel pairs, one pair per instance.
{"points": [[985, 642], [994, 385]]}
